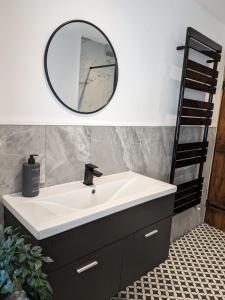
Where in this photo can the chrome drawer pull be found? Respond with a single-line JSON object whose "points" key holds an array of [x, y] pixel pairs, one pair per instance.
{"points": [[147, 235], [87, 267]]}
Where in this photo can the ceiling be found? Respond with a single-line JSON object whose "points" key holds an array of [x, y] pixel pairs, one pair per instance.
{"points": [[214, 7]]}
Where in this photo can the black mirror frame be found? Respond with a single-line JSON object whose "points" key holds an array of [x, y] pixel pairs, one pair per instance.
{"points": [[46, 66]]}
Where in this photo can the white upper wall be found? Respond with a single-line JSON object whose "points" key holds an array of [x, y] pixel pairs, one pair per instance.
{"points": [[214, 7], [144, 35]]}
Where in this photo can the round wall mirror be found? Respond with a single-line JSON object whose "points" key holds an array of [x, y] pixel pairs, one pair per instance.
{"points": [[81, 66]]}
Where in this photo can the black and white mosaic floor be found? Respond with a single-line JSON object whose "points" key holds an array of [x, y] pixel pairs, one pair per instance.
{"points": [[195, 269]]}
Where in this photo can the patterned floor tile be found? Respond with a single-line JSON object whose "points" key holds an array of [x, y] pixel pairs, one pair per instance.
{"points": [[195, 270]]}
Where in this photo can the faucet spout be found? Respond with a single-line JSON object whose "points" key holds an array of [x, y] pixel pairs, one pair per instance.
{"points": [[97, 173]]}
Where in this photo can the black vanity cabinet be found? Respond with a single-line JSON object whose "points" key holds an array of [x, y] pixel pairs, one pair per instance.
{"points": [[96, 260]]}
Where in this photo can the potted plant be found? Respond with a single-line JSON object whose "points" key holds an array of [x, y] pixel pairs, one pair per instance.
{"points": [[21, 275]]}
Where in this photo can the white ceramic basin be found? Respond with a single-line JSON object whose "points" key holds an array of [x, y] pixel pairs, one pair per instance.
{"points": [[86, 198], [60, 208]]}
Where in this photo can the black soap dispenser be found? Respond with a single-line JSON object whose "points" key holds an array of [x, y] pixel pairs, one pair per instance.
{"points": [[31, 177]]}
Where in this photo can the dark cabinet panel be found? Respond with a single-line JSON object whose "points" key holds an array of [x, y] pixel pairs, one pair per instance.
{"points": [[144, 250], [95, 277]]}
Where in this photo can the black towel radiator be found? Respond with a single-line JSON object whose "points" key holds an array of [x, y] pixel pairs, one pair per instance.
{"points": [[195, 76]]}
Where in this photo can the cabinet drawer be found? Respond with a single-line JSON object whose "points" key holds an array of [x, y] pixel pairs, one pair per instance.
{"points": [[144, 250], [95, 277]]}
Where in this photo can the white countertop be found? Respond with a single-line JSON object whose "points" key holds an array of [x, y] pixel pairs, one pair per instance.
{"points": [[66, 206]]}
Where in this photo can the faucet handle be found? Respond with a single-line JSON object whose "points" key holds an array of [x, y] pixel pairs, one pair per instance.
{"points": [[90, 166]]}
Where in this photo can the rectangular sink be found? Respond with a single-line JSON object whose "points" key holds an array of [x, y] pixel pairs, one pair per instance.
{"points": [[63, 207]]}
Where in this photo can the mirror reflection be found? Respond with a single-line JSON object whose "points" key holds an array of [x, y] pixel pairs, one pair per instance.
{"points": [[81, 66]]}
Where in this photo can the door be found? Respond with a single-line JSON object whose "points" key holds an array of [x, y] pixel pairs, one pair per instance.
{"points": [[93, 277], [215, 213], [144, 250]]}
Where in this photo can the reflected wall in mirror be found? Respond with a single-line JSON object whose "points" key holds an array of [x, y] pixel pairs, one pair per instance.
{"points": [[81, 66]]}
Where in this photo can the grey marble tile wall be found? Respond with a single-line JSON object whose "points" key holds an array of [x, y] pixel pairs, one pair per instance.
{"points": [[114, 149], [64, 150], [16, 143]]}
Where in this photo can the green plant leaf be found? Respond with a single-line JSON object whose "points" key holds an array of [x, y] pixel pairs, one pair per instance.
{"points": [[44, 276], [36, 248], [8, 230], [22, 257], [36, 251], [7, 260], [19, 241], [7, 287], [27, 247], [25, 272], [40, 282], [38, 265], [17, 272], [7, 243], [47, 259], [31, 282], [3, 277], [48, 287], [31, 264]]}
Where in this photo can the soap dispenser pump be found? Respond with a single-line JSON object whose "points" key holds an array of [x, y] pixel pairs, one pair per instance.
{"points": [[31, 177]]}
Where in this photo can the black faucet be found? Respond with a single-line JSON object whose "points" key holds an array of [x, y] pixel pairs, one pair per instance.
{"points": [[89, 173]]}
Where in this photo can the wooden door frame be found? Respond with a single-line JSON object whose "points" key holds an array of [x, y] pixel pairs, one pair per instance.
{"points": [[215, 214]]}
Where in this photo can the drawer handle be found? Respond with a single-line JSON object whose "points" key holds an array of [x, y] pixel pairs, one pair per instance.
{"points": [[147, 235], [87, 267]]}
